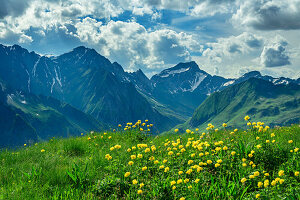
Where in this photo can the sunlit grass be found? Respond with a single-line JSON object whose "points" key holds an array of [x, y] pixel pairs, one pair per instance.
{"points": [[128, 163]]}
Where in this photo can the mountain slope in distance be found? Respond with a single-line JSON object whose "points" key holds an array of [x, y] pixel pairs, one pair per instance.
{"points": [[260, 99], [27, 118]]}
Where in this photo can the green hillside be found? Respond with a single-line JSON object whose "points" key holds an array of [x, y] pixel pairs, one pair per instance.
{"points": [[264, 101], [240, 164], [27, 118]]}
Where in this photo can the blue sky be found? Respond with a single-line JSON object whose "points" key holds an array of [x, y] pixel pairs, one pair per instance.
{"points": [[224, 37]]}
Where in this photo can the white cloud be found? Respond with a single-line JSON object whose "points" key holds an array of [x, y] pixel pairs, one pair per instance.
{"points": [[232, 47], [130, 44], [274, 54], [268, 14]]}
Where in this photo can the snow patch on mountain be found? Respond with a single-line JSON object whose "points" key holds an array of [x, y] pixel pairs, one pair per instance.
{"points": [[178, 71], [228, 83], [199, 78]]}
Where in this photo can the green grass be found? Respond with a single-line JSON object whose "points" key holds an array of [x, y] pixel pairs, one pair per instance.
{"points": [[76, 168]]}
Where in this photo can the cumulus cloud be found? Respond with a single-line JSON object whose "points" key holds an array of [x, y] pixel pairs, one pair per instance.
{"points": [[133, 46], [233, 46], [275, 54], [268, 14], [12, 7]]}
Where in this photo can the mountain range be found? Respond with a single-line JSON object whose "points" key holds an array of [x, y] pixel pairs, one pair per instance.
{"points": [[86, 83]]}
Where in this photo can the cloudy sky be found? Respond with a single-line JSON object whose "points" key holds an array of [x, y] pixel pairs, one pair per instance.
{"points": [[224, 37]]}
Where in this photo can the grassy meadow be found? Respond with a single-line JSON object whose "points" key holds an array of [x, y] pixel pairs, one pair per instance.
{"points": [[129, 163]]}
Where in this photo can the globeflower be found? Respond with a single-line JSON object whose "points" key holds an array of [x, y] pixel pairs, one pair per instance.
{"points": [[127, 174], [247, 118], [180, 172], [224, 125], [167, 169], [43, 150], [134, 182], [144, 168], [140, 191], [243, 180], [266, 183], [281, 173], [259, 184], [296, 173], [130, 163], [290, 141]]}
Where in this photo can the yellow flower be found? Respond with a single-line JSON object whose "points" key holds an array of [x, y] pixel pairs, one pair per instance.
{"points": [[233, 153], [244, 164], [173, 183], [257, 196], [296, 173], [290, 141], [250, 155], [144, 168], [273, 141], [161, 167], [267, 174], [244, 159], [156, 162], [174, 187], [147, 150], [266, 183], [140, 191], [243, 180], [257, 138], [247, 118], [224, 125], [296, 150], [251, 176], [112, 148], [189, 171], [130, 163], [43, 150], [134, 182], [219, 161], [170, 153], [127, 174], [259, 184], [256, 173], [199, 169], [190, 162], [176, 130], [225, 148], [197, 180], [273, 183], [109, 137], [281, 181], [217, 165], [267, 141], [167, 169], [140, 155], [133, 157], [179, 181], [235, 130], [281, 173], [180, 172], [209, 162], [182, 198], [186, 180], [88, 139], [197, 129]]}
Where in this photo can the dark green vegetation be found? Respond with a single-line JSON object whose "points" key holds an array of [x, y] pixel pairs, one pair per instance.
{"points": [[87, 167], [273, 104], [30, 118]]}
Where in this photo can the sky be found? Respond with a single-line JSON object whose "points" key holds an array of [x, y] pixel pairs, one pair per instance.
{"points": [[225, 37]]}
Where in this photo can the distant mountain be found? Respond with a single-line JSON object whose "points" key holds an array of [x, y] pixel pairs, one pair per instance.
{"points": [[275, 104], [90, 83], [184, 86], [27, 118], [85, 80]]}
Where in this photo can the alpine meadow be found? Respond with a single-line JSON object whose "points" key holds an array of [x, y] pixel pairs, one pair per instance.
{"points": [[149, 99]]}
